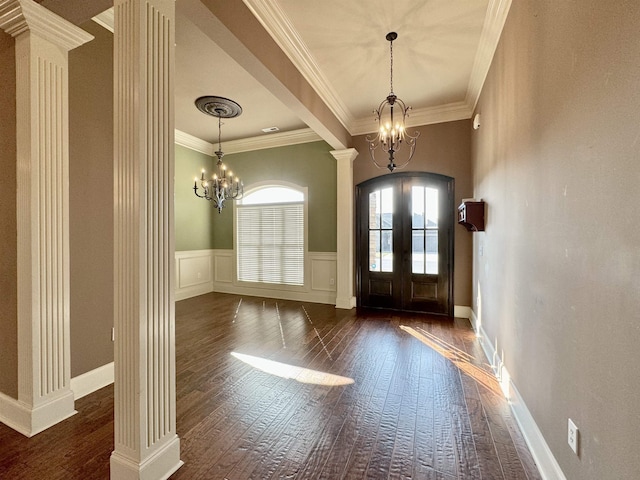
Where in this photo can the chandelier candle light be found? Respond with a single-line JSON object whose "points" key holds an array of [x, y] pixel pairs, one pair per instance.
{"points": [[392, 133], [222, 185]]}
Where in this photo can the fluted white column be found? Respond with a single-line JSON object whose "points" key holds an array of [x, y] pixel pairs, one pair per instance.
{"points": [[42, 42], [146, 443], [345, 219]]}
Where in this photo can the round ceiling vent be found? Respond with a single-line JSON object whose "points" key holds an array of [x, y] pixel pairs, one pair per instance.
{"points": [[218, 107]]}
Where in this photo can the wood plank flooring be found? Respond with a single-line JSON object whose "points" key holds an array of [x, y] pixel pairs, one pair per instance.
{"points": [[273, 389]]}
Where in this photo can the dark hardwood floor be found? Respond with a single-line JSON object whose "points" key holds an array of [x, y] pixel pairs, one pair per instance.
{"points": [[271, 389]]}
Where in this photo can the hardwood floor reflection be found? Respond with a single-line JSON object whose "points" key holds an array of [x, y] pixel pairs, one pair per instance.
{"points": [[271, 389]]}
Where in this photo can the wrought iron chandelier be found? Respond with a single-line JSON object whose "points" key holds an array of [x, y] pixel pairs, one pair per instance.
{"points": [[222, 185], [391, 124]]}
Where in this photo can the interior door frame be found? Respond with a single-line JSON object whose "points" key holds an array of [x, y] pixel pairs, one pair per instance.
{"points": [[397, 179]]}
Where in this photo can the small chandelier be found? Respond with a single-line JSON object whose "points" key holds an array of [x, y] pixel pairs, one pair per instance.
{"points": [[391, 131], [222, 185]]}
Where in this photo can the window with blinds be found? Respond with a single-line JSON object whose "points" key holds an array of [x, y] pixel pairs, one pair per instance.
{"points": [[270, 243]]}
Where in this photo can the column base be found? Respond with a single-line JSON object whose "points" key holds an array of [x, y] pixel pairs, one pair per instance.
{"points": [[30, 421], [346, 302], [159, 466]]}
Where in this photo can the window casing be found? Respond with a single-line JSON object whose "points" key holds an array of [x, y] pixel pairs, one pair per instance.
{"points": [[270, 232]]}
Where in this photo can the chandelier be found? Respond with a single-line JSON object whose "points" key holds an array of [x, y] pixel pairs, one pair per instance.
{"points": [[222, 185], [391, 130]]}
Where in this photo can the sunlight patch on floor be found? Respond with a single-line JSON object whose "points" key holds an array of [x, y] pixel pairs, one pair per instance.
{"points": [[459, 358], [299, 374]]}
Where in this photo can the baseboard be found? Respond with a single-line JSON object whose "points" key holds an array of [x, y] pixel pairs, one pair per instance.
{"points": [[193, 291], [461, 311], [346, 303], [12, 414], [547, 465], [313, 297], [163, 463], [92, 380], [31, 421]]}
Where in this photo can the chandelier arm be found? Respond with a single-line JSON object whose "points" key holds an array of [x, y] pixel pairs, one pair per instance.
{"points": [[195, 190]]}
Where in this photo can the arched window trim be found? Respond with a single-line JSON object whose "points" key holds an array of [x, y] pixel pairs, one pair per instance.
{"points": [[248, 190]]}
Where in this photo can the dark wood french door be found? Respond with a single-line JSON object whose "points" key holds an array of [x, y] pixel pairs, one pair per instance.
{"points": [[405, 242]]}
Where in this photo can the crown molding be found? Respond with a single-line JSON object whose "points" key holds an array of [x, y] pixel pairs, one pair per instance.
{"points": [[106, 19], [194, 143], [449, 112], [273, 140], [280, 28], [275, 21], [19, 16], [494, 21]]}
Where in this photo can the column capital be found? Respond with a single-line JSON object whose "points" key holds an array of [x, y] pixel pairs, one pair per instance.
{"points": [[349, 154], [20, 16]]}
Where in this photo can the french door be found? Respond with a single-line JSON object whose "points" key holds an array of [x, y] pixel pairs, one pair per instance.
{"points": [[405, 242]]}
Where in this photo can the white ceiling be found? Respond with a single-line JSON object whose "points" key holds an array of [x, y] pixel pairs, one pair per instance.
{"points": [[203, 68], [441, 57]]}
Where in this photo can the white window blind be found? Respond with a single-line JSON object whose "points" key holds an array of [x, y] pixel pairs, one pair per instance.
{"points": [[270, 243]]}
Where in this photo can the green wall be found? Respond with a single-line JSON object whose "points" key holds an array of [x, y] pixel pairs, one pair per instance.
{"points": [[194, 217], [200, 226]]}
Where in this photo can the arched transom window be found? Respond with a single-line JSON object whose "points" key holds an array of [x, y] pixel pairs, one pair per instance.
{"points": [[270, 235]]}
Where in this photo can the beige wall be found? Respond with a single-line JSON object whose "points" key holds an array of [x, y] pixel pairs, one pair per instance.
{"points": [[91, 200], [557, 287], [443, 148], [8, 226]]}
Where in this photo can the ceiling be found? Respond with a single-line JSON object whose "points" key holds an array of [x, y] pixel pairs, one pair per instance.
{"points": [[441, 57]]}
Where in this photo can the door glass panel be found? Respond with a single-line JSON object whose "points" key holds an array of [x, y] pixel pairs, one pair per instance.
{"points": [[417, 251], [431, 197], [424, 230], [381, 230], [432, 252], [374, 209], [387, 208], [417, 207], [387, 251], [374, 250]]}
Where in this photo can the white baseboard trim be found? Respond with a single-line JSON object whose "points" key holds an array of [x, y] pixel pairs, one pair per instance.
{"points": [[31, 421], [193, 291], [93, 380], [313, 297], [12, 414], [547, 464], [160, 465], [461, 311], [346, 303]]}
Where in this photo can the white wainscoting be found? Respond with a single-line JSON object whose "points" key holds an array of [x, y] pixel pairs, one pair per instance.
{"points": [[547, 465], [194, 273], [203, 271]]}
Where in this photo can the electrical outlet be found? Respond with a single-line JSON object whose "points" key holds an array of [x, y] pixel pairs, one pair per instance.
{"points": [[572, 437]]}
